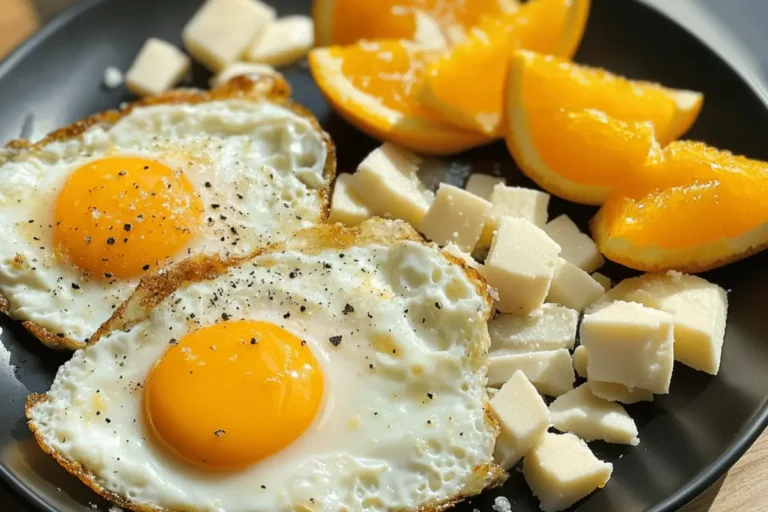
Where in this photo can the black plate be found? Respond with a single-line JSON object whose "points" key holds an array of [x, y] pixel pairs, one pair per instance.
{"points": [[688, 438]]}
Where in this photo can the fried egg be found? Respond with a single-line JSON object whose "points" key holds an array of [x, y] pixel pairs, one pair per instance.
{"points": [[89, 210], [341, 371]]}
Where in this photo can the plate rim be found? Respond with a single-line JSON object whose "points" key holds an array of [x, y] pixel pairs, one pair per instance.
{"points": [[694, 488]]}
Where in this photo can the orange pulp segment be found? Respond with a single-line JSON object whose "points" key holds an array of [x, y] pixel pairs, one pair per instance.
{"points": [[547, 81], [348, 21], [373, 84], [698, 208], [466, 84]]}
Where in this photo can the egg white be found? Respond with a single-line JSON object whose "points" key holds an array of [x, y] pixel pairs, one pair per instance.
{"points": [[258, 168], [403, 424]]}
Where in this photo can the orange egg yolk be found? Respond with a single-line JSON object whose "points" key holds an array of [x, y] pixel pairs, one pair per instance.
{"points": [[122, 216], [233, 393]]}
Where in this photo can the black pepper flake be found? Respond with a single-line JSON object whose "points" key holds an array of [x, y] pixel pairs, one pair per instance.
{"points": [[239, 196], [263, 486], [75, 286], [145, 267], [207, 184], [430, 396], [224, 316], [122, 173], [60, 335], [287, 316], [173, 341], [438, 305], [254, 341], [348, 309], [233, 230], [303, 343], [292, 275], [327, 265], [127, 227], [335, 340], [110, 241], [108, 420], [303, 308], [108, 275], [219, 433], [215, 206]]}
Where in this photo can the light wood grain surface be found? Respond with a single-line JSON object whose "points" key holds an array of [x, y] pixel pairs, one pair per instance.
{"points": [[743, 489]]}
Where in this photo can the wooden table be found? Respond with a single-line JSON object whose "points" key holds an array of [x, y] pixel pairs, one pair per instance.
{"points": [[743, 489]]}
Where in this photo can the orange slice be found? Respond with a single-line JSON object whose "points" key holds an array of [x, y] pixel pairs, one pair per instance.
{"points": [[423, 21], [542, 80], [698, 208], [579, 156], [466, 85], [372, 85]]}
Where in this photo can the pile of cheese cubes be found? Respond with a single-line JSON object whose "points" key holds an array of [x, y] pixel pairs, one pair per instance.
{"points": [[549, 294], [228, 37]]}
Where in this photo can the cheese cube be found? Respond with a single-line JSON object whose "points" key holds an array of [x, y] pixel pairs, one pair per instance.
{"points": [[522, 416], [573, 288], [283, 42], [580, 361], [629, 344], [158, 67], [521, 265], [345, 206], [428, 33], [453, 250], [519, 202], [455, 216], [241, 68], [551, 371], [221, 30], [699, 309], [604, 281], [387, 182], [482, 184], [553, 329], [592, 418], [561, 470], [578, 248], [619, 393]]}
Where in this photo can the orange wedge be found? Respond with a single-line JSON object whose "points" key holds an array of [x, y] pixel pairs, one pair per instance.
{"points": [[578, 131], [424, 21], [466, 85], [697, 208], [372, 85]]}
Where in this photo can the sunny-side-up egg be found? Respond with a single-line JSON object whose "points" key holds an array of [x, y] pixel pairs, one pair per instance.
{"points": [[89, 210], [342, 372]]}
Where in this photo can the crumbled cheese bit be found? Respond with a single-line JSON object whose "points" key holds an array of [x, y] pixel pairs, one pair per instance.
{"points": [[242, 68], [455, 216], [619, 393], [283, 42], [519, 202], [580, 361], [345, 206], [550, 371], [113, 77], [572, 287], [157, 68], [554, 328], [578, 248], [482, 184]]}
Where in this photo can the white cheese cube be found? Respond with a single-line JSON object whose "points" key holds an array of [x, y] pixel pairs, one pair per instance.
{"points": [[519, 202], [241, 68], [592, 418], [345, 206], [699, 309], [522, 416], [550, 371], [553, 329], [428, 33], [455, 216], [619, 393], [221, 30], [453, 250], [629, 344], [578, 248], [561, 470], [580, 361], [521, 265], [387, 182], [283, 42], [482, 184], [573, 288], [157, 68], [604, 281]]}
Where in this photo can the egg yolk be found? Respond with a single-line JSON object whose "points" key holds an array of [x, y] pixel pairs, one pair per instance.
{"points": [[122, 216], [228, 395]]}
